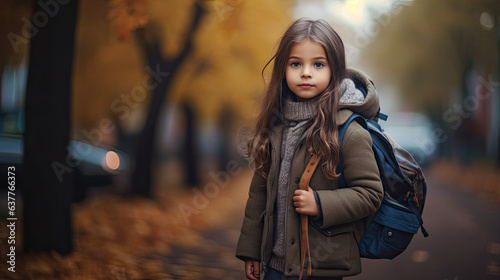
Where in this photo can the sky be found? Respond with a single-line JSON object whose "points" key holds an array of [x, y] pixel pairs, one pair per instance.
{"points": [[354, 13]]}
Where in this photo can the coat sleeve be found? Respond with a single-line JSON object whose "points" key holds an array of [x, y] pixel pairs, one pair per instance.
{"points": [[249, 243], [364, 192]]}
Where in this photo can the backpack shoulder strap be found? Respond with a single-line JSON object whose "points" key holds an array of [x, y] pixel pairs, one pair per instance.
{"points": [[342, 130]]}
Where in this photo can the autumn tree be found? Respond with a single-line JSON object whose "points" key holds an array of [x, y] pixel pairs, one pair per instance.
{"points": [[232, 42], [161, 70]]}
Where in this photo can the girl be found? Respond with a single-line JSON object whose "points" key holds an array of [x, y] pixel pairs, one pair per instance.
{"points": [[311, 94]]}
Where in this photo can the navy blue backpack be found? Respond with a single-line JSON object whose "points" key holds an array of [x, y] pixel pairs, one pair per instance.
{"points": [[397, 220]]}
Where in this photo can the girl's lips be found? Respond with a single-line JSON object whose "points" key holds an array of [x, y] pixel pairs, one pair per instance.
{"points": [[305, 86]]}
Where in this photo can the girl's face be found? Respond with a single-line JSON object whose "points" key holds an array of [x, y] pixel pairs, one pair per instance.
{"points": [[307, 72]]}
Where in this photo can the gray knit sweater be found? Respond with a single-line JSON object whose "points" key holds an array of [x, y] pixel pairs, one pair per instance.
{"points": [[297, 115]]}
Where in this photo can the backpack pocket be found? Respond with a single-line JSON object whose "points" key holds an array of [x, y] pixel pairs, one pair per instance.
{"points": [[390, 232]]}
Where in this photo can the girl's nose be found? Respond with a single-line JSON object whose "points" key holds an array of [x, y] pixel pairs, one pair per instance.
{"points": [[306, 74]]}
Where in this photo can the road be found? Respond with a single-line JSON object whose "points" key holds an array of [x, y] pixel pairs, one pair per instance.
{"points": [[464, 244], [464, 241]]}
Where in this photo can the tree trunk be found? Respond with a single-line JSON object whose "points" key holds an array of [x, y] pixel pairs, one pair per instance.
{"points": [[47, 192], [224, 125], [190, 157], [161, 72]]}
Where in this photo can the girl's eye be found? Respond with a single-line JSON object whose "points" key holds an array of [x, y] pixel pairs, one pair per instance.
{"points": [[295, 64], [318, 65]]}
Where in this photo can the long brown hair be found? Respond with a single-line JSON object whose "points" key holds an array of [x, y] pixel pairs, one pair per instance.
{"points": [[322, 138]]}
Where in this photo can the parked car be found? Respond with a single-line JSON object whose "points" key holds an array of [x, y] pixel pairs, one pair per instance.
{"points": [[414, 132], [95, 166]]}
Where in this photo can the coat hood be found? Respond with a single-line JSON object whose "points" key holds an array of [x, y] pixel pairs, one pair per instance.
{"points": [[370, 107]]}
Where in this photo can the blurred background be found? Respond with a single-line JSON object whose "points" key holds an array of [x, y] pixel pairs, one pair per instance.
{"points": [[122, 122]]}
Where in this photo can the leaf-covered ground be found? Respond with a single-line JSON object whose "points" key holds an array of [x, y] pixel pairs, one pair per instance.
{"points": [[119, 237]]}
